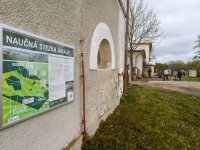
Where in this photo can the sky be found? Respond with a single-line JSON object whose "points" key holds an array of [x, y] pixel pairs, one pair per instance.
{"points": [[180, 22]]}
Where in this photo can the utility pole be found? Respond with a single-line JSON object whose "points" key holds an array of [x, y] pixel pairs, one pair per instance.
{"points": [[126, 50]]}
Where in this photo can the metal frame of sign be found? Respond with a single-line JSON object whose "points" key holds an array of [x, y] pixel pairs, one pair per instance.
{"points": [[3, 26]]}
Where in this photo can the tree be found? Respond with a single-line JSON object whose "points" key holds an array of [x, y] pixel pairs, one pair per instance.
{"points": [[160, 67], [197, 53], [144, 26], [178, 65]]}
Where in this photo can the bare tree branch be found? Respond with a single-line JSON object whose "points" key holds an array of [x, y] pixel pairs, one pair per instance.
{"points": [[143, 27], [197, 53]]}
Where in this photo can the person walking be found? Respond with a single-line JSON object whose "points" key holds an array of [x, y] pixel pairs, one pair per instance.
{"points": [[179, 75], [166, 73], [149, 72], [183, 73]]}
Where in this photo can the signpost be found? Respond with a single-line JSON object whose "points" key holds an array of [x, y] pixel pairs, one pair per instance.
{"points": [[37, 75]]}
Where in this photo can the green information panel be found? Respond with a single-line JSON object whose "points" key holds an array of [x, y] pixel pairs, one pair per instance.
{"points": [[37, 75]]}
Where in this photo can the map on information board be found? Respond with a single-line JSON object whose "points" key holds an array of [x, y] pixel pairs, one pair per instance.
{"points": [[25, 84], [37, 75]]}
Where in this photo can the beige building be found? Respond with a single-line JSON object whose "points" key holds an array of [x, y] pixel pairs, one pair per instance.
{"points": [[141, 61], [95, 28], [192, 73]]}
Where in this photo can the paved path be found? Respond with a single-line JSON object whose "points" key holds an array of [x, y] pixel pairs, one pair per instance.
{"points": [[192, 88]]}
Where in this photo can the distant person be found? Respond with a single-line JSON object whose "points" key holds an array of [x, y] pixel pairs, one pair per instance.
{"points": [[179, 75], [183, 73], [161, 74], [149, 72], [166, 73]]}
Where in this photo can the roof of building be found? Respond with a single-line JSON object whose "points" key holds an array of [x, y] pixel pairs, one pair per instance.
{"points": [[140, 51], [147, 43], [150, 64]]}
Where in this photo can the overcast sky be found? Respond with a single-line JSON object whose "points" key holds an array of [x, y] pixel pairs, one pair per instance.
{"points": [[180, 21]]}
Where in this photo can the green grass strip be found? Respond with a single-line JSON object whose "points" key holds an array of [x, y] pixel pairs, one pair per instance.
{"points": [[150, 119]]}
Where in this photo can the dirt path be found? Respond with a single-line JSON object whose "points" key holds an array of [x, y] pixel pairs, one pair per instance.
{"points": [[192, 88]]}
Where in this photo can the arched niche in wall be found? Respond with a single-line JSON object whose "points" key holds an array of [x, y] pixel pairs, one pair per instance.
{"points": [[102, 55], [104, 60]]}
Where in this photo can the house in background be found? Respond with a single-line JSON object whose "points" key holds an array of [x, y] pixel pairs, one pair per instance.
{"points": [[139, 57], [150, 65], [141, 61], [192, 73]]}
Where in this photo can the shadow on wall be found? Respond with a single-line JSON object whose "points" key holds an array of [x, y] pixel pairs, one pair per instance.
{"points": [[104, 55]]}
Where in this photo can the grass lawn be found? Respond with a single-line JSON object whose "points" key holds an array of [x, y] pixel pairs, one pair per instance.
{"points": [[150, 119]]}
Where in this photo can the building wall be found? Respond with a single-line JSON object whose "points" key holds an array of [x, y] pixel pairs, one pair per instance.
{"points": [[138, 61], [192, 73], [147, 52], [128, 70], [121, 49], [152, 71], [101, 84], [146, 47], [61, 21]]}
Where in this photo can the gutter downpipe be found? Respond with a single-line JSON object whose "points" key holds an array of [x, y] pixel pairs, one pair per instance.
{"points": [[83, 77], [83, 91], [126, 50]]}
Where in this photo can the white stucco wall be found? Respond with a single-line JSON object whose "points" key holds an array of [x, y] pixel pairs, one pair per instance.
{"points": [[121, 46], [101, 32], [152, 73], [101, 103], [192, 73], [121, 41], [147, 51], [102, 84], [61, 22], [138, 61]]}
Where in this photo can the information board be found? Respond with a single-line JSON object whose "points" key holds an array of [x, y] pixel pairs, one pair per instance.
{"points": [[37, 74]]}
